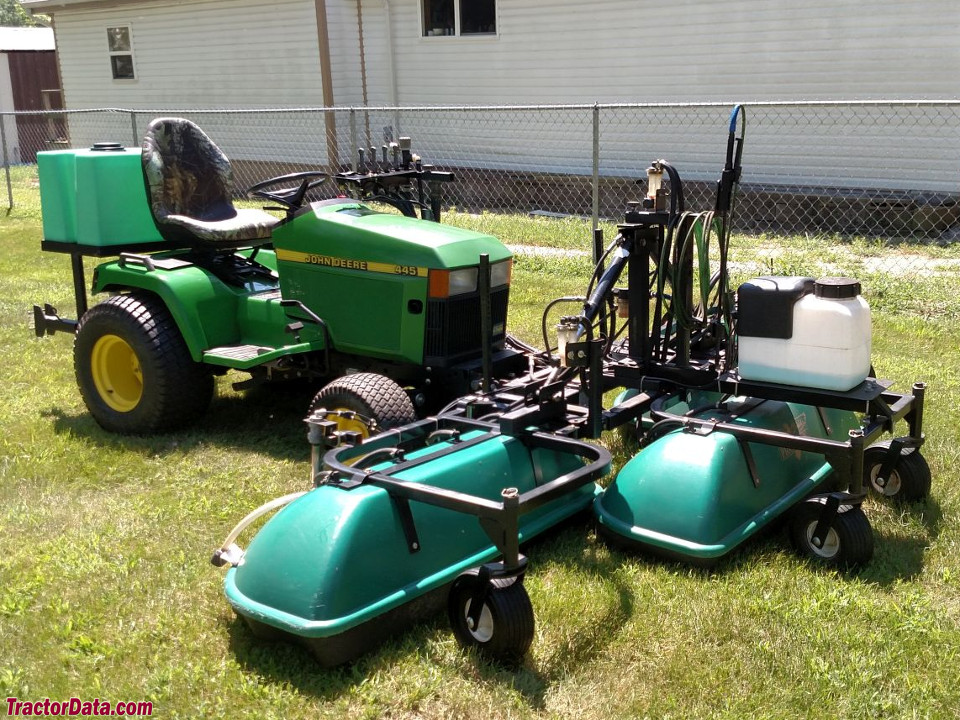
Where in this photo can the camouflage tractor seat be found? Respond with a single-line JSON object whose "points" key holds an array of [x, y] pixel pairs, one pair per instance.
{"points": [[189, 185]]}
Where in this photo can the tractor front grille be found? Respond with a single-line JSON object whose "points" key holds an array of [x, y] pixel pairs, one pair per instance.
{"points": [[452, 333]]}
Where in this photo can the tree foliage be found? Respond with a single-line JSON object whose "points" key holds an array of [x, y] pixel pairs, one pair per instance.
{"points": [[12, 14]]}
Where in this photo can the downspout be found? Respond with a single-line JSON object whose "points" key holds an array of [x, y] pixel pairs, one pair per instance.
{"points": [[51, 125], [56, 50], [391, 70], [326, 78]]}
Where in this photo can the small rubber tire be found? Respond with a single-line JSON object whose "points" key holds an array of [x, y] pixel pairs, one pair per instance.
{"points": [[910, 479], [379, 401], [849, 541], [133, 339], [505, 630]]}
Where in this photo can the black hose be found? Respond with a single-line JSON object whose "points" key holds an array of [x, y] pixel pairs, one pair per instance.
{"points": [[517, 344], [598, 267], [658, 430], [595, 304]]}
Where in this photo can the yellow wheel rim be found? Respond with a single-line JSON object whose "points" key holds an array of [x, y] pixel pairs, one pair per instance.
{"points": [[116, 373], [349, 421]]}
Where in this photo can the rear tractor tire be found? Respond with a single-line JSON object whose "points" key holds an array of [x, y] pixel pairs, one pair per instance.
{"points": [[505, 629], [849, 541], [367, 403], [909, 480], [134, 370]]}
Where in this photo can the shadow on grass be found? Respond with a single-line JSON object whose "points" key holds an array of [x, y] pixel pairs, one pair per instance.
{"points": [[586, 641], [898, 557], [283, 662], [266, 419]]}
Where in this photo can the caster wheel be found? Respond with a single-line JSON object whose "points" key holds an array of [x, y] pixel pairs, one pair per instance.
{"points": [[909, 480], [849, 540], [504, 629]]}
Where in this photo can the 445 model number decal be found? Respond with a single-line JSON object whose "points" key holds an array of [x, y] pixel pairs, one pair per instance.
{"points": [[351, 264]]}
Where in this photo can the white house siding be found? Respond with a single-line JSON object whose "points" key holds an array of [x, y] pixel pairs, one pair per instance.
{"points": [[342, 28], [684, 50], [214, 54], [246, 53], [569, 51]]}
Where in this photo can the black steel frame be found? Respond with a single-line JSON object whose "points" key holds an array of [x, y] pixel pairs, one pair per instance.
{"points": [[499, 519]]}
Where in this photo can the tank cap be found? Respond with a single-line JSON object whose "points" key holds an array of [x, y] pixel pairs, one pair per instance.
{"points": [[838, 288], [107, 147]]}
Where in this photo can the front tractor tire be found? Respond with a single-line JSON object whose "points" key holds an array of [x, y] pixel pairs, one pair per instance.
{"points": [[366, 403], [134, 370]]}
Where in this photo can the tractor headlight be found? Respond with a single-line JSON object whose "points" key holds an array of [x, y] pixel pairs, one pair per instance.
{"points": [[463, 281], [500, 273], [447, 283]]}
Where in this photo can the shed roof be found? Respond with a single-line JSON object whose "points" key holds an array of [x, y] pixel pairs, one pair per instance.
{"points": [[26, 38]]}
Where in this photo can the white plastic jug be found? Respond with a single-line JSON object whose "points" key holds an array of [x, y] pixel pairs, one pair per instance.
{"points": [[801, 332]]}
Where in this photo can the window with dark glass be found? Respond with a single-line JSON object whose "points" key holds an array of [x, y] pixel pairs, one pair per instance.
{"points": [[438, 17], [478, 17], [120, 50], [459, 17]]}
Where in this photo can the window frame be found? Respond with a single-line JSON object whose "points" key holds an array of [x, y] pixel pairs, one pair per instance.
{"points": [[122, 53], [457, 27]]}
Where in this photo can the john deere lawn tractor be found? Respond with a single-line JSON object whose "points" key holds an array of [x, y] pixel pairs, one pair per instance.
{"points": [[386, 309], [749, 408]]}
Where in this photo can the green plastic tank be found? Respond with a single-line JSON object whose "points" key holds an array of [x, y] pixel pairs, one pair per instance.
{"points": [[95, 197], [57, 170], [693, 496], [333, 569], [112, 206]]}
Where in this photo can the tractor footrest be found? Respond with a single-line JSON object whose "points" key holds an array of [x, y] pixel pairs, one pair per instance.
{"points": [[236, 352]]}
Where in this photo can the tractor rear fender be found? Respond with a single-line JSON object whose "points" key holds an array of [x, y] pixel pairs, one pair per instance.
{"points": [[204, 308]]}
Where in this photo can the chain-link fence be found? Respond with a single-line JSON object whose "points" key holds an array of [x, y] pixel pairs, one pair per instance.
{"points": [[874, 169]]}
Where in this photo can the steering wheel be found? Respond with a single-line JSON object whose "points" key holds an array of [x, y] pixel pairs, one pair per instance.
{"points": [[290, 197]]}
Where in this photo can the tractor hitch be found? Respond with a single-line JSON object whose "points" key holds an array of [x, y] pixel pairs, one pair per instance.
{"points": [[47, 322]]}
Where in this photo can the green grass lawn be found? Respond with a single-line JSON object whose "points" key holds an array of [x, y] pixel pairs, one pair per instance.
{"points": [[106, 590]]}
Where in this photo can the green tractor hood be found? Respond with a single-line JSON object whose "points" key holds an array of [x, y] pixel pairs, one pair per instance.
{"points": [[389, 286], [351, 231]]}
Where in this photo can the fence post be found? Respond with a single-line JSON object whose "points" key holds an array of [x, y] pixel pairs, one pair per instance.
{"points": [[6, 162], [333, 151], [353, 140], [596, 169], [133, 127]]}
